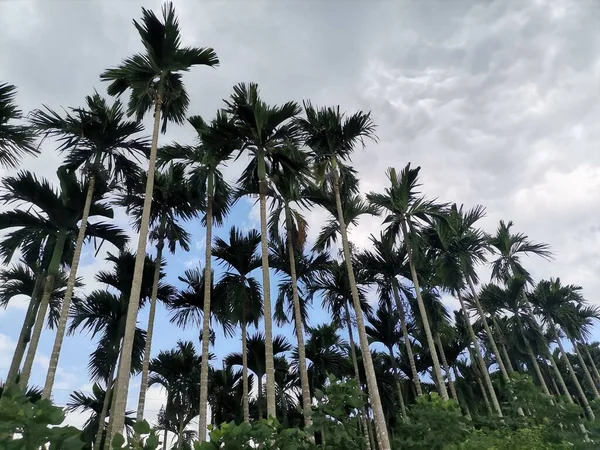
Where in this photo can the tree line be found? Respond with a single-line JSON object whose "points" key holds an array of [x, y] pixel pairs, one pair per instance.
{"points": [[398, 350]]}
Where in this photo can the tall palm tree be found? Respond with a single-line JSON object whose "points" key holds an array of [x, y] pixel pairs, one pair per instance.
{"points": [[385, 263], [455, 248], [332, 136], [406, 212], [98, 140], [383, 329], [225, 395], [256, 358], [104, 313], [155, 81], [556, 304], [215, 144], [509, 248], [171, 203], [265, 131], [54, 220], [178, 372], [241, 290], [15, 140]]}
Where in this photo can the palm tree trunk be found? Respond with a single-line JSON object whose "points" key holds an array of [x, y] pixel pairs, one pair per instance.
{"points": [[353, 357], [150, 330], [105, 405], [479, 357], [430, 342], [502, 344], [398, 385], [408, 345], [488, 332], [123, 373], [586, 372], [165, 439], [306, 398], [484, 392], [64, 312], [53, 270], [584, 400], [245, 393], [561, 381], [268, 315], [462, 401], [202, 419], [25, 335], [592, 362], [379, 417], [446, 367]]}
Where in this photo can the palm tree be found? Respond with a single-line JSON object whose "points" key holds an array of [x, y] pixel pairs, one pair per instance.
{"points": [[256, 358], [104, 313], [406, 213], [332, 137], [54, 220], [155, 81], [385, 263], [509, 248], [241, 290], [556, 304], [177, 371], [225, 395], [171, 203], [81, 402], [99, 141], [15, 140], [455, 248], [215, 144], [265, 131], [24, 279], [383, 329]]}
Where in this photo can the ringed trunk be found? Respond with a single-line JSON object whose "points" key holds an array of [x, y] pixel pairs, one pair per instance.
{"points": [[306, 398], [53, 270], [411, 358], [123, 373], [479, 358], [105, 405], [430, 342], [202, 420], [561, 381], [25, 334], [586, 372], [446, 368], [592, 362], [150, 329], [64, 312], [488, 332], [398, 385], [245, 393], [379, 417], [268, 316]]}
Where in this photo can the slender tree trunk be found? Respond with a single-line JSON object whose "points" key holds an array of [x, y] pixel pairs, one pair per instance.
{"points": [[64, 312], [484, 392], [408, 345], [105, 405], [202, 419], [502, 344], [584, 400], [446, 368], [488, 332], [150, 330], [25, 335], [586, 372], [561, 381], [479, 357], [260, 396], [53, 270], [123, 373], [245, 393], [306, 398], [462, 401], [379, 418], [353, 357], [398, 385], [592, 362], [430, 341], [536, 368], [165, 439], [268, 315]]}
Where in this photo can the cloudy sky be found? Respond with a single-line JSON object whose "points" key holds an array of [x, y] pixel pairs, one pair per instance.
{"points": [[498, 101]]}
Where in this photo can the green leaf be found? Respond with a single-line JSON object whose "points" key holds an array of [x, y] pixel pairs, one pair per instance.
{"points": [[118, 441], [141, 427]]}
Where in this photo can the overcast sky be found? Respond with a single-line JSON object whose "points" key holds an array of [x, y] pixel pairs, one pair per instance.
{"points": [[498, 101]]}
